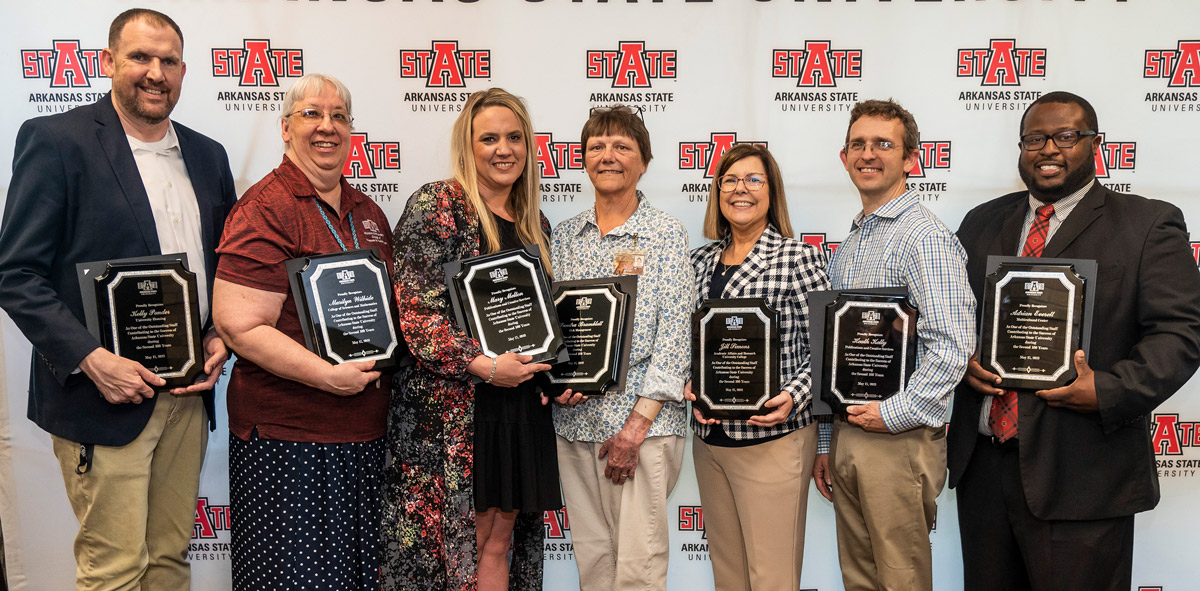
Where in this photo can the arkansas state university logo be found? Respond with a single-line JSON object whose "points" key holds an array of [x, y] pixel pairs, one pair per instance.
{"points": [[210, 519], [1180, 66], [444, 65], [367, 158], [631, 65], [691, 518], [819, 241], [65, 64], [931, 155], [705, 155], [256, 63], [556, 524], [1114, 156], [1172, 435], [1001, 63], [817, 65], [554, 157]]}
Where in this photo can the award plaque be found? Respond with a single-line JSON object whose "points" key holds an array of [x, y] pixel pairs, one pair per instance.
{"points": [[596, 316], [868, 345], [735, 357], [147, 309], [1033, 321], [344, 301], [503, 300]]}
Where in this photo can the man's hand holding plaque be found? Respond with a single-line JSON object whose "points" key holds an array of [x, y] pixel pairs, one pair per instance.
{"points": [[146, 311], [864, 346], [1036, 316]]}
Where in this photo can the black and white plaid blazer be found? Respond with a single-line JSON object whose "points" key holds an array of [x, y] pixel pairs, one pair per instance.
{"points": [[783, 271]]}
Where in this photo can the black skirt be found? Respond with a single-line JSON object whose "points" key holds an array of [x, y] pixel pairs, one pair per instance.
{"points": [[516, 458]]}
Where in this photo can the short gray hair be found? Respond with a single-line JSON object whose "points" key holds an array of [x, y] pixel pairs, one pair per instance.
{"points": [[313, 84]]}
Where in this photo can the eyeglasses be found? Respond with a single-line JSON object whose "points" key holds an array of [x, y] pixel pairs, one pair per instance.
{"points": [[859, 147], [1062, 139], [340, 118], [636, 109], [753, 182]]}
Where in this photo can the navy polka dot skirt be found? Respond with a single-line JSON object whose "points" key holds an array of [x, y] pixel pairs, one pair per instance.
{"points": [[305, 515]]}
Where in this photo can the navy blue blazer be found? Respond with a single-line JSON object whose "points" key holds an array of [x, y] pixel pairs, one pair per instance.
{"points": [[76, 196], [1145, 346]]}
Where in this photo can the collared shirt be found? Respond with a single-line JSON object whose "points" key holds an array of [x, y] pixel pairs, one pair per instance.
{"points": [[902, 244], [660, 353], [1062, 208], [782, 271], [173, 202], [278, 219]]}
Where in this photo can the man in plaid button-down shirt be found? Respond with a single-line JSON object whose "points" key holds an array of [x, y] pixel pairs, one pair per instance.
{"points": [[887, 462]]}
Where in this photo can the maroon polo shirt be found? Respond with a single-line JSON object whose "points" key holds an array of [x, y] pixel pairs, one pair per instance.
{"points": [[276, 220]]}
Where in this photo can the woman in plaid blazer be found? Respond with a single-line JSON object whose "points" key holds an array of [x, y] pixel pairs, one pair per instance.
{"points": [[741, 464]]}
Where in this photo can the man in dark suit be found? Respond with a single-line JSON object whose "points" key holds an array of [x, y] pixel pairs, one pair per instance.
{"points": [[1046, 501], [110, 180]]}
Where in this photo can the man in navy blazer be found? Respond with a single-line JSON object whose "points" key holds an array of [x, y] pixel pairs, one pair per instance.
{"points": [[1051, 507], [110, 180]]}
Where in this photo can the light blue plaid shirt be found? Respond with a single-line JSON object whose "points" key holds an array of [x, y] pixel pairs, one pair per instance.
{"points": [[902, 244]]}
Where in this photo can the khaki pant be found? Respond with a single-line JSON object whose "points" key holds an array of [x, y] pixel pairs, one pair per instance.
{"points": [[137, 504], [755, 501], [884, 492], [620, 531]]}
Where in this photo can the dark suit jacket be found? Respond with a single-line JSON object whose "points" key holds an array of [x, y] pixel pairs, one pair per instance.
{"points": [[76, 196], [1145, 345]]}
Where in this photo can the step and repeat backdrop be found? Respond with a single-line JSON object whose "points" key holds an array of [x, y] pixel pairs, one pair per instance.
{"points": [[708, 75]]}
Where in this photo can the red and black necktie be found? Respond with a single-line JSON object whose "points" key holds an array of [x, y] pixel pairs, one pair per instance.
{"points": [[1003, 416]]}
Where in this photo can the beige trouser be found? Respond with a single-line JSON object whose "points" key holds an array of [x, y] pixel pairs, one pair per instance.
{"points": [[755, 500], [884, 492], [620, 531], [137, 504]]}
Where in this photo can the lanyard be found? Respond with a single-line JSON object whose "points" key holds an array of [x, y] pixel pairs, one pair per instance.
{"points": [[333, 230]]}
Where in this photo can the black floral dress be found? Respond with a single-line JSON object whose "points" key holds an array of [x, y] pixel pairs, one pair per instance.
{"points": [[428, 531]]}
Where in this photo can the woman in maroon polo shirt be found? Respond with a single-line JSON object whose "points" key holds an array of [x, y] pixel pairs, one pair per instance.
{"points": [[305, 437]]}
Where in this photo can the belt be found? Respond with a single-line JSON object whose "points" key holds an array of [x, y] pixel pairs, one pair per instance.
{"points": [[993, 441]]}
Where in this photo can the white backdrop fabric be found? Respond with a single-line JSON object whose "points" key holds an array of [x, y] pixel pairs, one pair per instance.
{"points": [[708, 73]]}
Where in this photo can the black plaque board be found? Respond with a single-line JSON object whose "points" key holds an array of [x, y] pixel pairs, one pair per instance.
{"points": [[345, 304], [596, 316], [864, 344], [503, 300], [1036, 314], [735, 357], [146, 309]]}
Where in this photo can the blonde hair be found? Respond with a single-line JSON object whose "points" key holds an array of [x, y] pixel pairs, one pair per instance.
{"points": [[524, 200]]}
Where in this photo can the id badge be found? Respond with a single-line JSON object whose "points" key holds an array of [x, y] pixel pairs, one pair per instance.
{"points": [[630, 261]]}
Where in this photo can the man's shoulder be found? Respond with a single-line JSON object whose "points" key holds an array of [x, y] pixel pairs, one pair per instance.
{"points": [[68, 124], [996, 206], [1129, 204], [196, 139], [919, 222]]}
